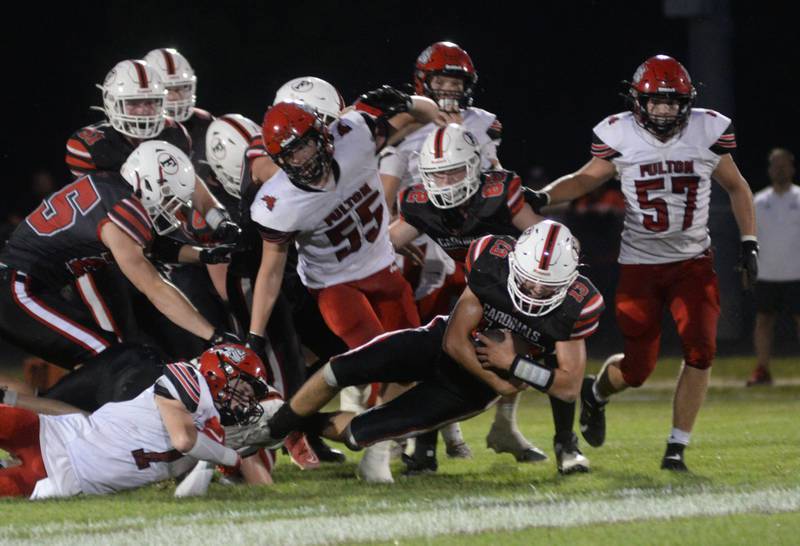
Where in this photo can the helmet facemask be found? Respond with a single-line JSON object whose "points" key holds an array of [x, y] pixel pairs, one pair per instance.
{"points": [[134, 125], [448, 196], [525, 300], [238, 402], [181, 108], [661, 126], [450, 100], [313, 169], [161, 203]]}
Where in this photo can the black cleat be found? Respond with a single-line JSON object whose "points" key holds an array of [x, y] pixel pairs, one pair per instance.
{"points": [[325, 453], [423, 461], [569, 458], [673, 458], [593, 415]]}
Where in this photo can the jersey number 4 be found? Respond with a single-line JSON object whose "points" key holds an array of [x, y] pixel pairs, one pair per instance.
{"points": [[368, 227], [680, 185], [59, 211]]}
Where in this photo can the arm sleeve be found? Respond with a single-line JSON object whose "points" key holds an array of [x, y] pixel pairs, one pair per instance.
{"points": [[206, 449]]}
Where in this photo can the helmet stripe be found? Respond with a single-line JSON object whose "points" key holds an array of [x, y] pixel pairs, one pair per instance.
{"points": [[169, 60], [437, 145], [142, 74], [238, 126], [549, 245]]}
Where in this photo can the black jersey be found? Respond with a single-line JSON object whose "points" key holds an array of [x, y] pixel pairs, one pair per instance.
{"points": [[100, 147], [196, 126], [487, 276], [490, 210], [60, 239]]}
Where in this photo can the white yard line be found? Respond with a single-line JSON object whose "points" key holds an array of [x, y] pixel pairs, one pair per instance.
{"points": [[412, 520]]}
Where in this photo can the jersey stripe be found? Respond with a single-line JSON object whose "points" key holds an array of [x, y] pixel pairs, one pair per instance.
{"points": [[515, 200], [169, 61], [91, 296], [186, 380], [475, 248], [592, 305], [79, 162], [549, 245], [585, 332], [136, 206], [128, 219], [78, 148]]}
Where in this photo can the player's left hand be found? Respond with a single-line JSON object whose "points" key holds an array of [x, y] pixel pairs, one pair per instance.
{"points": [[496, 354], [748, 264], [227, 232]]}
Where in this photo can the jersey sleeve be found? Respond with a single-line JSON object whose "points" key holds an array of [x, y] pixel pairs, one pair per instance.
{"points": [[410, 200], [602, 150], [129, 215], [476, 248], [495, 131], [256, 149], [725, 142], [180, 382], [514, 199], [593, 305], [176, 134], [393, 162], [79, 156], [266, 214]]}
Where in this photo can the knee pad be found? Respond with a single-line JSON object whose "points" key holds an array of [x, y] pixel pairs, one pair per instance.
{"points": [[329, 376], [702, 364], [635, 375]]}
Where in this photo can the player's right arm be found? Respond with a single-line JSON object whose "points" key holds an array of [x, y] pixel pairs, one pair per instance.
{"points": [[401, 233], [586, 179], [130, 258], [457, 343], [184, 437], [268, 283]]}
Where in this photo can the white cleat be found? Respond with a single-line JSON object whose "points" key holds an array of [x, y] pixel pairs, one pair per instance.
{"points": [[569, 459], [374, 465]]}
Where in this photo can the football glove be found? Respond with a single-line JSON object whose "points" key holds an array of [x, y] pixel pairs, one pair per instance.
{"points": [[748, 263]]}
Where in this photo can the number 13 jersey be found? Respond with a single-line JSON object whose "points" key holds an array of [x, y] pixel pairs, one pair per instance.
{"points": [[667, 185], [341, 230]]}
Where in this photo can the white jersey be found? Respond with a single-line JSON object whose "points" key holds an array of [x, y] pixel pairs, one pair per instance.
{"points": [[402, 160], [778, 222], [342, 230], [123, 445], [667, 185]]}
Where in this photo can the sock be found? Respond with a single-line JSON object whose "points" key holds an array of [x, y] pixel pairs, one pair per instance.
{"points": [[284, 421], [597, 397], [678, 436], [452, 434], [506, 412], [426, 444], [563, 417]]}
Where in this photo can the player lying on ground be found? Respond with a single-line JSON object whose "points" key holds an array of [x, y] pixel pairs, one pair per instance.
{"points": [[158, 435], [530, 287]]}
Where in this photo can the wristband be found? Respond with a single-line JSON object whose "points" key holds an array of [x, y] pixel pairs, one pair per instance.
{"points": [[532, 373], [749, 238], [215, 217]]}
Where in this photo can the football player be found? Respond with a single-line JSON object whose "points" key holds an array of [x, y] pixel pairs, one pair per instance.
{"points": [[531, 288], [456, 204], [666, 153], [98, 219], [158, 435]]}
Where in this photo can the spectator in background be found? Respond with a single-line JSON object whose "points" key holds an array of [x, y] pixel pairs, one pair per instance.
{"points": [[778, 286]]}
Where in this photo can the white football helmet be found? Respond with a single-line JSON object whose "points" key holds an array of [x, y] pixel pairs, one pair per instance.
{"points": [[227, 139], [542, 267], [162, 176], [130, 86], [178, 76], [446, 149], [315, 92]]}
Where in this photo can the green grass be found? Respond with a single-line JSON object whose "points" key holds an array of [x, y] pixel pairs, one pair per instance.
{"points": [[746, 441]]}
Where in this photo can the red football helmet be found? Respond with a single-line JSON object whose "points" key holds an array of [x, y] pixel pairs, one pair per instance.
{"points": [[224, 367], [288, 127], [661, 77], [447, 59]]}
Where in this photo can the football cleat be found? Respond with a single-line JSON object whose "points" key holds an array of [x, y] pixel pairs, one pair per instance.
{"points": [[325, 453], [419, 463], [673, 458], [503, 439], [569, 458], [760, 377], [300, 452], [458, 450], [374, 465], [593, 415]]}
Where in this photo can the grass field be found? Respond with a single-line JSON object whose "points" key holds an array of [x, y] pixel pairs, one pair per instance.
{"points": [[744, 487]]}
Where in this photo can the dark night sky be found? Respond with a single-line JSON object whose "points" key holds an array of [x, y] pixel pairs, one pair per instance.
{"points": [[550, 76]]}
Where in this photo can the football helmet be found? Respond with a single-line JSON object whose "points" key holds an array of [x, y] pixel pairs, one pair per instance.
{"points": [[133, 99], [224, 367], [661, 77], [178, 76], [289, 127], [447, 149], [318, 93], [542, 267], [446, 59], [162, 177], [227, 138]]}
